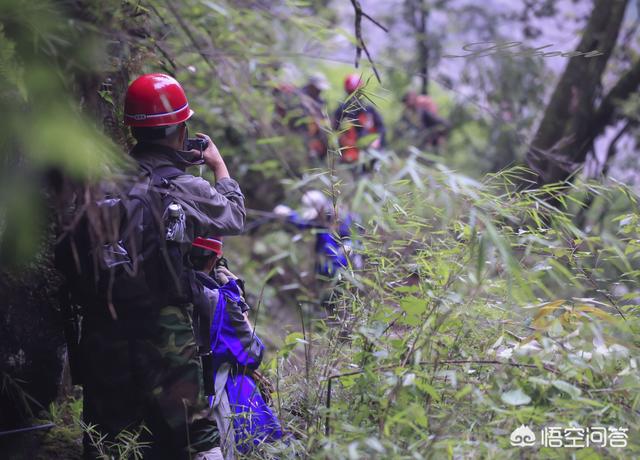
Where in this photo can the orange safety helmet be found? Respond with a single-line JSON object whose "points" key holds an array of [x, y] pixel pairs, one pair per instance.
{"points": [[427, 103], [155, 100], [352, 82]]}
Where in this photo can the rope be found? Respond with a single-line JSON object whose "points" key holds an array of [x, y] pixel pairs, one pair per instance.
{"points": [[46, 426]]}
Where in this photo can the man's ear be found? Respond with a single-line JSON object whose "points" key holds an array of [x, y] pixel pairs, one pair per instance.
{"points": [[182, 135], [212, 263]]}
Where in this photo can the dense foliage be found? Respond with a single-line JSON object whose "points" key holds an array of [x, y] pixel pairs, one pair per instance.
{"points": [[480, 309], [483, 304]]}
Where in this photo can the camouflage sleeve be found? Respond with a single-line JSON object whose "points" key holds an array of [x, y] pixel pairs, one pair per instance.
{"points": [[215, 210], [246, 335]]}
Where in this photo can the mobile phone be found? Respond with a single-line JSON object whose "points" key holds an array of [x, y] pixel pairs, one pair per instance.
{"points": [[196, 143], [222, 262]]}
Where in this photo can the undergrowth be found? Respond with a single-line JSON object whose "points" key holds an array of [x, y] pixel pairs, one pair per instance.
{"points": [[481, 307]]}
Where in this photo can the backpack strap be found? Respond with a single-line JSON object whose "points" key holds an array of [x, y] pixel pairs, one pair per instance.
{"points": [[163, 174], [203, 309]]}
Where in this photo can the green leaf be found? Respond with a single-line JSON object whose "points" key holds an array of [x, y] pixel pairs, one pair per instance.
{"points": [[413, 305], [293, 338], [365, 141], [427, 388], [464, 392], [566, 387], [515, 397], [348, 381]]}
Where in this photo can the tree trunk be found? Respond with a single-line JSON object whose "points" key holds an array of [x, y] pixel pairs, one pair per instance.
{"points": [[569, 126], [424, 46], [31, 340]]}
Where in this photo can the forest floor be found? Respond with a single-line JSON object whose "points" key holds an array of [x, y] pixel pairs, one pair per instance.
{"points": [[62, 441]]}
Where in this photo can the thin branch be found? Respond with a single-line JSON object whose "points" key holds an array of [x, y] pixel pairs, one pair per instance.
{"points": [[375, 22], [187, 30], [357, 27], [612, 151], [170, 59], [626, 41], [609, 297], [361, 45], [373, 66], [623, 88]]}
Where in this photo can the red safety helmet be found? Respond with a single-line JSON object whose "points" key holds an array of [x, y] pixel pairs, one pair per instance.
{"points": [[154, 100], [210, 244], [352, 82]]}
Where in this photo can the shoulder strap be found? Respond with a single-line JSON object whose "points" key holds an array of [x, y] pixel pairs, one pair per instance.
{"points": [[162, 174], [207, 280], [203, 310]]}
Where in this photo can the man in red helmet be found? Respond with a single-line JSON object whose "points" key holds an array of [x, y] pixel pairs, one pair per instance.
{"points": [[313, 106], [420, 123], [157, 110], [142, 368], [359, 120]]}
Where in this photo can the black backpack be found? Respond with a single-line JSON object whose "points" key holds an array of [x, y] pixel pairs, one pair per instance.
{"points": [[115, 256]]}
